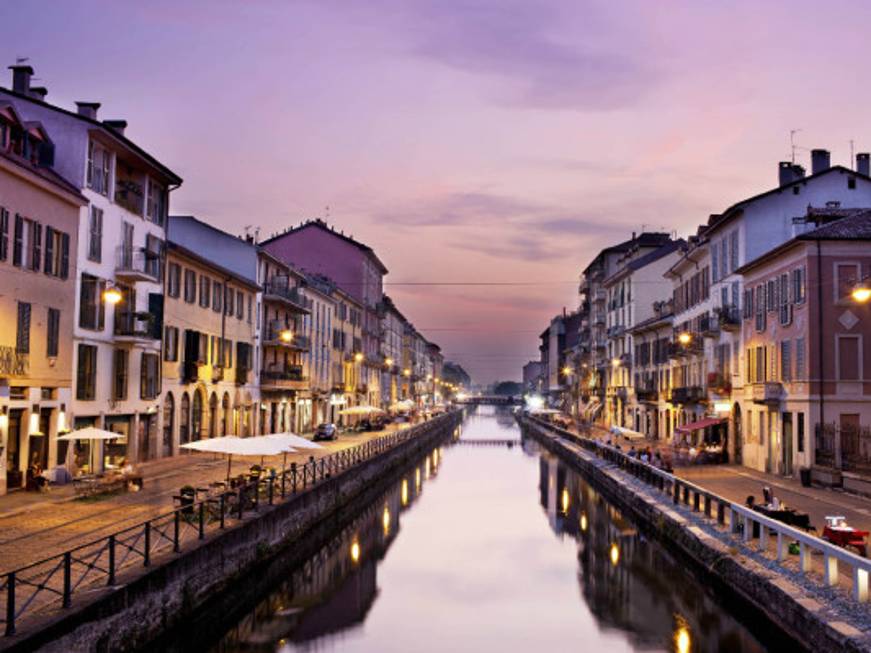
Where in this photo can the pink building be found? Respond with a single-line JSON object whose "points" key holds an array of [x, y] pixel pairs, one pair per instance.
{"points": [[318, 248], [807, 367]]}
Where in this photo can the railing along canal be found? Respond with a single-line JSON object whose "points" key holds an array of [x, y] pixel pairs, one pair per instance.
{"points": [[56, 579], [742, 522]]}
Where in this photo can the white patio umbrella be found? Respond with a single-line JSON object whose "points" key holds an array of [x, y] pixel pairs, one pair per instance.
{"points": [[90, 433], [232, 445], [360, 410], [405, 404], [293, 440], [545, 411]]}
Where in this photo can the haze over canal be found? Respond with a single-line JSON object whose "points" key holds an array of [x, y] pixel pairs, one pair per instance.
{"points": [[489, 548]]}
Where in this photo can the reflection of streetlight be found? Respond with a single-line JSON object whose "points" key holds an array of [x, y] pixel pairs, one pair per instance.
{"points": [[583, 521], [404, 492], [615, 554], [112, 295], [682, 640], [385, 520], [355, 552], [565, 500], [684, 338]]}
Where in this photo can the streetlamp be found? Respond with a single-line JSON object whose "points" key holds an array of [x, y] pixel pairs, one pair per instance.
{"points": [[567, 371], [862, 292], [112, 295], [285, 335], [358, 357], [388, 361], [684, 338]]}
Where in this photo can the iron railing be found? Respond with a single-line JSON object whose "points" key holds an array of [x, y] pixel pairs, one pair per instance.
{"points": [[54, 582]]}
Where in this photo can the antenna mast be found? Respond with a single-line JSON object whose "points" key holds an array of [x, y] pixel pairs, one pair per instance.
{"points": [[792, 145]]}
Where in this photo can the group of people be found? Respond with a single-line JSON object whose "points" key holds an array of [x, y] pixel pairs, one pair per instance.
{"points": [[644, 454]]}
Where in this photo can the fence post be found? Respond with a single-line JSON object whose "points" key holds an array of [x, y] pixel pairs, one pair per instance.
{"points": [[676, 487], [223, 500], [283, 479], [111, 560], [256, 495], [147, 548], [271, 489], [293, 476], [201, 516], [176, 527], [241, 505], [10, 604], [68, 560]]}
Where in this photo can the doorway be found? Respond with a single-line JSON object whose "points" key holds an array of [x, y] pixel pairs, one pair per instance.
{"points": [[786, 446], [14, 475], [736, 433]]}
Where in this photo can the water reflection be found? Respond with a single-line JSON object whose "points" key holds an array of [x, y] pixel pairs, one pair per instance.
{"points": [[476, 569]]}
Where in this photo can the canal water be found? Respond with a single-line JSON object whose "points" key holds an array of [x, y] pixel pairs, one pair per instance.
{"points": [[488, 547]]}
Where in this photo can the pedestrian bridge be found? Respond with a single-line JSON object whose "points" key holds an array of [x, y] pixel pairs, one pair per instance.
{"points": [[472, 442], [490, 400]]}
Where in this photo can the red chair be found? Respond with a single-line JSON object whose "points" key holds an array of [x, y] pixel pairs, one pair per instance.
{"points": [[847, 538]]}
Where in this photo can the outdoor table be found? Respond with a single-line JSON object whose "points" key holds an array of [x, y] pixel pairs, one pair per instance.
{"points": [[786, 515], [845, 536]]}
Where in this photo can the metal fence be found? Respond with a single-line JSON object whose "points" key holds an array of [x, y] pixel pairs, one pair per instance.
{"points": [[853, 441], [745, 524], [55, 581]]}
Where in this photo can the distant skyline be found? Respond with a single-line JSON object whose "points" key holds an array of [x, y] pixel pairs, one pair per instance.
{"points": [[466, 142]]}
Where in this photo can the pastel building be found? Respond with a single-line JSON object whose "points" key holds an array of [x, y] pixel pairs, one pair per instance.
{"points": [[39, 221]]}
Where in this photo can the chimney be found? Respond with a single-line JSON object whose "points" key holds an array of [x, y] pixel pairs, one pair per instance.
{"points": [[88, 109], [21, 78], [863, 164], [820, 161], [117, 126], [38, 92], [789, 172]]}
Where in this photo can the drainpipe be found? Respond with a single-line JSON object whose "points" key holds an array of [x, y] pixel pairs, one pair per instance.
{"points": [[820, 343]]}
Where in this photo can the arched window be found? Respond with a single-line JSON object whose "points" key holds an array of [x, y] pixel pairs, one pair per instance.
{"points": [[184, 428], [168, 423], [213, 415], [225, 413], [197, 416]]}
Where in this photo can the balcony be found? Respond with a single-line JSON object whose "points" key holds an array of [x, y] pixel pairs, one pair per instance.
{"points": [[243, 376], [13, 363], [273, 337], [129, 195], [287, 378], [719, 383], [600, 296], [690, 394], [729, 318], [626, 360], [599, 318], [135, 327], [616, 331], [767, 392], [647, 393], [276, 291], [622, 393], [710, 327], [137, 264], [601, 343]]}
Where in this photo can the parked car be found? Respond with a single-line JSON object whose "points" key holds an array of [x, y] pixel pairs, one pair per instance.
{"points": [[326, 431]]}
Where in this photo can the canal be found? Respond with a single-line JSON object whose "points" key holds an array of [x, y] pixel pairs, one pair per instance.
{"points": [[485, 547]]}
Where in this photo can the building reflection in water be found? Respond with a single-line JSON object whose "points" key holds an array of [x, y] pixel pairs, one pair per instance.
{"points": [[630, 583], [332, 591]]}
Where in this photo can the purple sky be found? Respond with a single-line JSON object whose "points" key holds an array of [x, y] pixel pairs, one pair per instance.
{"points": [[464, 141]]}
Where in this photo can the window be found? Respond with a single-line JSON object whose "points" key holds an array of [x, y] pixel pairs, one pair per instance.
{"points": [[240, 305], [99, 165], [170, 344], [4, 234], [733, 251], [155, 203], [205, 290], [848, 358], [217, 297], [95, 235], [847, 275], [798, 285], [120, 372], [227, 346], [851, 183], [57, 253], [715, 263], [27, 243], [154, 256], [228, 300], [786, 360], [149, 386], [799, 359], [86, 373], [250, 302], [173, 280], [190, 286], [92, 311], [724, 262], [770, 295], [22, 338], [799, 431], [52, 333]]}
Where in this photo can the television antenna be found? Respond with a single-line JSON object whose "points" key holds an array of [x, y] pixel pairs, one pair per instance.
{"points": [[792, 145]]}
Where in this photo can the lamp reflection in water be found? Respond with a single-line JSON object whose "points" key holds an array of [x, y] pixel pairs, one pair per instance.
{"points": [[615, 554], [565, 501], [355, 552], [584, 522], [426, 469], [682, 641], [385, 520], [417, 479], [404, 492]]}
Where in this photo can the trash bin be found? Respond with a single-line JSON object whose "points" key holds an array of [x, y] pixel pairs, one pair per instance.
{"points": [[805, 473]]}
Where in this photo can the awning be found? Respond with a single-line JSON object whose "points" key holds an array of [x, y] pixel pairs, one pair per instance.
{"points": [[701, 424]]}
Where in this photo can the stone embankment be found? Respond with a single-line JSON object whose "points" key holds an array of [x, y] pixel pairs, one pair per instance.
{"points": [[145, 602], [817, 617]]}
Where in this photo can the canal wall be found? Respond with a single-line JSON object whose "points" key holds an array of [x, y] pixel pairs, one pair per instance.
{"points": [[768, 593], [141, 607]]}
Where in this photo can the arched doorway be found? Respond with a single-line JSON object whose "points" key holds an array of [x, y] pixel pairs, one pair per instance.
{"points": [[213, 415], [184, 429], [168, 424], [736, 432], [225, 413], [197, 416]]}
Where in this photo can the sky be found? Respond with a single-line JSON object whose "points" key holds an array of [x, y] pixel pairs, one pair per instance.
{"points": [[465, 141]]}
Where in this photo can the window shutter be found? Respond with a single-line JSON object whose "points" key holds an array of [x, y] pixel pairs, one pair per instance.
{"points": [[36, 252], [155, 307], [101, 305], [49, 252], [22, 342], [143, 376], [65, 256], [17, 240], [4, 234], [53, 332], [81, 376]]}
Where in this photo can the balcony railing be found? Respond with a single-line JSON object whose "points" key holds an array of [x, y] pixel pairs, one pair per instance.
{"points": [[137, 264], [766, 392], [710, 326], [137, 325], [291, 376], [687, 394], [12, 362], [274, 289], [646, 393], [719, 383], [626, 360], [729, 318]]}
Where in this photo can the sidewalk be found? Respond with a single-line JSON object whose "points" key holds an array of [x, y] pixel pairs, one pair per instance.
{"points": [[34, 526]]}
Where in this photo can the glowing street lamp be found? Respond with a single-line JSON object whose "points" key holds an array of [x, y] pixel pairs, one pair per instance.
{"points": [[358, 357], [285, 335], [406, 372], [112, 295], [861, 293], [615, 362], [684, 338], [388, 361], [567, 371]]}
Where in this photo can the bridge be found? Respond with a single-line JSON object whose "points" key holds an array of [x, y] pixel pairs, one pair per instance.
{"points": [[491, 400], [473, 442]]}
